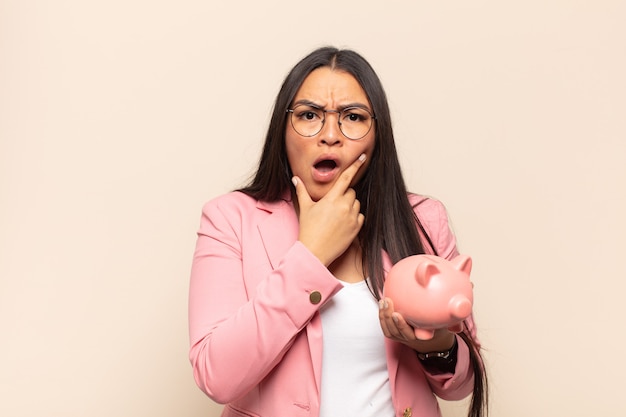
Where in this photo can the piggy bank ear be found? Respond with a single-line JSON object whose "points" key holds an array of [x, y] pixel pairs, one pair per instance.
{"points": [[462, 263], [424, 272]]}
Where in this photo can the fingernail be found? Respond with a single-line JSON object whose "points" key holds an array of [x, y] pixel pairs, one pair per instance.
{"points": [[294, 180], [381, 304], [362, 157]]}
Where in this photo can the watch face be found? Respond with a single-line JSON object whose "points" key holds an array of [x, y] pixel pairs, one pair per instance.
{"points": [[434, 355]]}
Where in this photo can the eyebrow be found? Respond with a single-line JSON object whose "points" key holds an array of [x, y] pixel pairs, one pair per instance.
{"points": [[339, 108]]}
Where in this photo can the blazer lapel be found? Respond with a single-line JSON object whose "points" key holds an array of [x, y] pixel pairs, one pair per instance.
{"points": [[392, 347], [279, 230]]}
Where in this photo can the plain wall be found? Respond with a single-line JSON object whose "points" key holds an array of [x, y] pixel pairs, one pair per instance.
{"points": [[120, 118]]}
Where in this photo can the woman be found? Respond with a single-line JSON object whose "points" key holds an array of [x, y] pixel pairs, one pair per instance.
{"points": [[286, 315]]}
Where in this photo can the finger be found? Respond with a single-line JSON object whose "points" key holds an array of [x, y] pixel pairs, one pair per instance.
{"points": [[360, 220], [405, 331], [345, 179], [304, 199], [393, 324], [383, 318], [388, 320]]}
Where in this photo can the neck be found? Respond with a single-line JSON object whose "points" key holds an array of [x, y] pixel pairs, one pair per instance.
{"points": [[349, 266]]}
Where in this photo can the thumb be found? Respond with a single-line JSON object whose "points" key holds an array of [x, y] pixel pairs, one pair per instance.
{"points": [[304, 199]]}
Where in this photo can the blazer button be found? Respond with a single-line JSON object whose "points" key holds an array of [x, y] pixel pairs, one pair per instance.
{"points": [[315, 297]]}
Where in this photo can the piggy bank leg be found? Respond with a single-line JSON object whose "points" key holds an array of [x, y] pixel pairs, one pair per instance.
{"points": [[424, 334], [457, 328]]}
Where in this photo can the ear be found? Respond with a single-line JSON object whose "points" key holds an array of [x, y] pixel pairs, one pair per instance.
{"points": [[462, 263], [424, 272]]}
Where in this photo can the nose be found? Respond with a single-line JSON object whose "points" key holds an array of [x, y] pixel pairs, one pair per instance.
{"points": [[330, 133]]}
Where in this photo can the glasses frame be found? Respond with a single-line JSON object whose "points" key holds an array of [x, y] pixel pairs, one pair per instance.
{"points": [[338, 112]]}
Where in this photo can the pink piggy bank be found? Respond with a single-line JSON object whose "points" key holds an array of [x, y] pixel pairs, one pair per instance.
{"points": [[431, 292]]}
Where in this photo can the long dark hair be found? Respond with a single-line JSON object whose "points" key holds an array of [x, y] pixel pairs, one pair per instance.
{"points": [[391, 224]]}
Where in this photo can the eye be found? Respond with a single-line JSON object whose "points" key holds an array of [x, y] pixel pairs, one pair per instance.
{"points": [[308, 114], [355, 115]]}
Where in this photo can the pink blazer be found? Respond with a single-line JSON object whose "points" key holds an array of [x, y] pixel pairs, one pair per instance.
{"points": [[255, 329]]}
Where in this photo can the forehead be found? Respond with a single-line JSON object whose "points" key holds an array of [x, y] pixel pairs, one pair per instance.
{"points": [[330, 87]]}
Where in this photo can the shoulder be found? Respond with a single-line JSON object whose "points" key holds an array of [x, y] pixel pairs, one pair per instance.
{"points": [[225, 213], [427, 208], [234, 201], [433, 217], [224, 217], [236, 205]]}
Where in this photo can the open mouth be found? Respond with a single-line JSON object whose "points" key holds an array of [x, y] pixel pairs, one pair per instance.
{"points": [[326, 165]]}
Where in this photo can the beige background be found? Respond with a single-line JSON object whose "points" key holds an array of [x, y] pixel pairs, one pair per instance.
{"points": [[119, 118]]}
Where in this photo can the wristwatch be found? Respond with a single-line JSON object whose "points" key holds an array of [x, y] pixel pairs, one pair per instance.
{"points": [[438, 355], [432, 355]]}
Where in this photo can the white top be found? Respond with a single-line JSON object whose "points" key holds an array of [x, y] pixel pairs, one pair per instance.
{"points": [[355, 381]]}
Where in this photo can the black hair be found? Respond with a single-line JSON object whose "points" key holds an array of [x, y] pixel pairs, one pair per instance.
{"points": [[391, 224]]}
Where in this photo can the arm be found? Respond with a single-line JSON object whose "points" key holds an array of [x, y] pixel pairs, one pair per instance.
{"points": [[459, 384], [243, 321], [447, 384], [239, 333]]}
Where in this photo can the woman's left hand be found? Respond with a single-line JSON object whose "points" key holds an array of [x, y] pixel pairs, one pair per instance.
{"points": [[396, 328]]}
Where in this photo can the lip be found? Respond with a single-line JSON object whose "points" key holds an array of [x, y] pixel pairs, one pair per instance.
{"points": [[325, 175]]}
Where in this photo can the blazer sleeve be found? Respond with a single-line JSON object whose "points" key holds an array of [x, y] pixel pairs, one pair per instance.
{"points": [[238, 333], [434, 218]]}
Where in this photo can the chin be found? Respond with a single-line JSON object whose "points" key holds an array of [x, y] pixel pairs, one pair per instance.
{"points": [[317, 195]]}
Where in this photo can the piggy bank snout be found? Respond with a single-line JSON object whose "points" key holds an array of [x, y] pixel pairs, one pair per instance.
{"points": [[460, 307]]}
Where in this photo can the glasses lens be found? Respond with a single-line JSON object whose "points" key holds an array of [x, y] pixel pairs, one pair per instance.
{"points": [[307, 120], [355, 122]]}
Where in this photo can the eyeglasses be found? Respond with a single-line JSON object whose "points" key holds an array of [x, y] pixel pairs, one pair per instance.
{"points": [[354, 122]]}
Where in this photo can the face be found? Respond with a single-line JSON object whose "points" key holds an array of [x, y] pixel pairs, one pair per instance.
{"points": [[320, 159]]}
